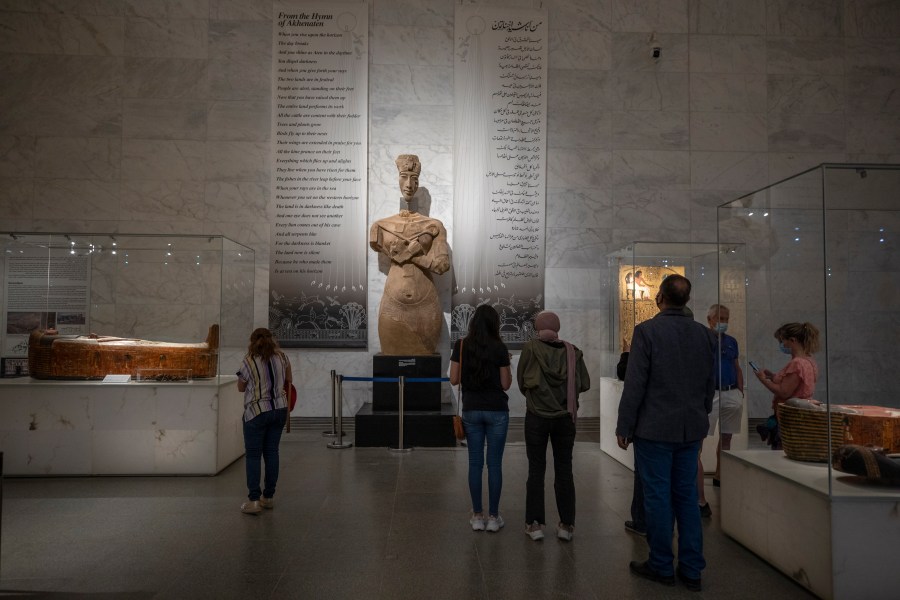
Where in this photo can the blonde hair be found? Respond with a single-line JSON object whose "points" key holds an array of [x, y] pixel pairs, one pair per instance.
{"points": [[805, 333]]}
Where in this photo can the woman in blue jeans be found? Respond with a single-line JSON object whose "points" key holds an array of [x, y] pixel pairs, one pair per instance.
{"points": [[263, 375], [480, 363]]}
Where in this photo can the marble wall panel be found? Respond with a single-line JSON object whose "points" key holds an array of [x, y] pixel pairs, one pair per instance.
{"points": [[873, 133], [810, 19], [17, 154], [184, 78], [62, 116], [634, 52], [649, 91], [237, 161], [650, 15], [872, 57], [786, 164], [652, 208], [239, 80], [78, 158], [726, 92], [578, 168], [399, 45], [60, 75], [579, 49], [576, 247], [650, 168], [167, 9], [239, 120], [391, 124], [872, 94], [243, 10], [16, 203], [147, 200], [728, 132], [807, 132], [409, 84], [164, 159], [588, 129], [581, 15], [239, 202], [728, 16], [738, 54], [161, 37], [728, 170], [83, 34], [797, 56], [650, 130], [164, 119], [575, 288], [116, 452], [579, 207], [240, 40], [872, 19], [414, 13], [77, 198], [806, 94]]}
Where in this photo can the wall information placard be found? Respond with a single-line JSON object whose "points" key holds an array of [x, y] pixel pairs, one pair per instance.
{"points": [[319, 132]]}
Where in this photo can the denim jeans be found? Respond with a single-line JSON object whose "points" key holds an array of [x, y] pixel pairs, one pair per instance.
{"points": [[490, 426], [561, 433], [637, 502], [668, 472], [261, 437]]}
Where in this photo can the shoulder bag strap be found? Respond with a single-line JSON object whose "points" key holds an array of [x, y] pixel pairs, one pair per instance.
{"points": [[459, 386]]}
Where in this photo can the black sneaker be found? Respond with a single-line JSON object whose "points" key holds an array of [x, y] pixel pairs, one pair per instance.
{"points": [[705, 510], [629, 526], [690, 583], [642, 569]]}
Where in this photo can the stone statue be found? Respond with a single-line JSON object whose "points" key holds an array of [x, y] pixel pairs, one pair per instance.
{"points": [[410, 317]]}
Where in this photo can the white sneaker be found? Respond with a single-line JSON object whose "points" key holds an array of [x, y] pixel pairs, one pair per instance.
{"points": [[251, 508], [477, 523], [495, 523], [565, 532], [535, 531]]}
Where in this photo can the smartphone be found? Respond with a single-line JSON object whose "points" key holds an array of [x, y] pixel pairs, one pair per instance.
{"points": [[753, 366]]}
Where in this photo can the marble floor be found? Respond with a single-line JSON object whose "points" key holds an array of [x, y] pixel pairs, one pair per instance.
{"points": [[357, 523]]}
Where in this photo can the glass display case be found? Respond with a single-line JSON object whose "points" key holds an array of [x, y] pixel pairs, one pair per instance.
{"points": [[162, 288], [822, 249], [716, 272]]}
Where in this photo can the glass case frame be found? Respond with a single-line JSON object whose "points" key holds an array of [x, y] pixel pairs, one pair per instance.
{"points": [[822, 248], [167, 288]]}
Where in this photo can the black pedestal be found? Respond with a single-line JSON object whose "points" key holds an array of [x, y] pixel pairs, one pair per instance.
{"points": [[416, 396], [432, 429]]}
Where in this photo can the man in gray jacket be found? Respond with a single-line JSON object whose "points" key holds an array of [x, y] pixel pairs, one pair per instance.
{"points": [[668, 393]]}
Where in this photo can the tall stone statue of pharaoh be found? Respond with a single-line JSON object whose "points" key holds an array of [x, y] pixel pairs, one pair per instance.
{"points": [[409, 319]]}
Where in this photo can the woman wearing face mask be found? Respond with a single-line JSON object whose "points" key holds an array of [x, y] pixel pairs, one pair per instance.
{"points": [[798, 378]]}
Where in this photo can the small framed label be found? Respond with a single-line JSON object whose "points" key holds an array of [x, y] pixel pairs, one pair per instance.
{"points": [[117, 379], [14, 367]]}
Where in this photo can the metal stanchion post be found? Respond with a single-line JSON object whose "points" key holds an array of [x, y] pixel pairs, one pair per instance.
{"points": [[339, 443], [334, 429], [400, 448]]}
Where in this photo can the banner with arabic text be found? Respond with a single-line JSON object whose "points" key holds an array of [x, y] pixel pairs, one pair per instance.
{"points": [[500, 165]]}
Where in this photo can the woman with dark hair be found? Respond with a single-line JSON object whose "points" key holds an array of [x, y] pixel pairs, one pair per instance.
{"points": [[480, 364], [263, 376], [796, 380]]}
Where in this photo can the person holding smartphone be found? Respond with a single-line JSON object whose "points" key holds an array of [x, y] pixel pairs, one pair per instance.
{"points": [[796, 380]]}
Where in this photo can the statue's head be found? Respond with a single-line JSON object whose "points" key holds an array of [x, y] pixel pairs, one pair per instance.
{"points": [[409, 167]]}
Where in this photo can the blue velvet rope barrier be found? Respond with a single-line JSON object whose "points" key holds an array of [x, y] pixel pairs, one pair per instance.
{"points": [[396, 379]]}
